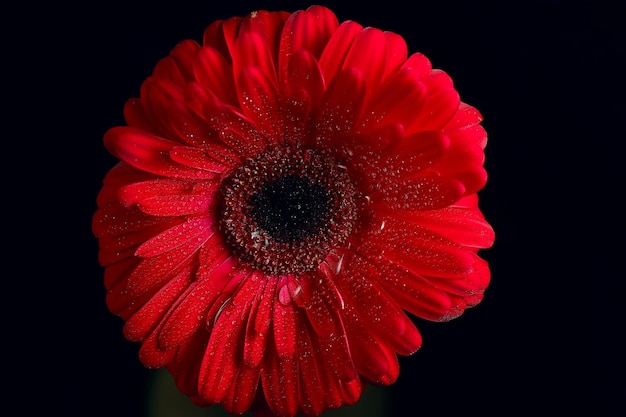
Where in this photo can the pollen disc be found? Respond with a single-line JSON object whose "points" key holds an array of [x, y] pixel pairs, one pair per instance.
{"points": [[284, 211]]}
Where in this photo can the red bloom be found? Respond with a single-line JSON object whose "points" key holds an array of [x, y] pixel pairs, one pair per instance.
{"points": [[287, 191]]}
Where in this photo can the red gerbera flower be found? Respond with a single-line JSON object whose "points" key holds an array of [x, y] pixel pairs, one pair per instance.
{"points": [[287, 192]]}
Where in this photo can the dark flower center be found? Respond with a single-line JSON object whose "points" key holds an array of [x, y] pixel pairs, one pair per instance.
{"points": [[290, 208], [286, 210]]}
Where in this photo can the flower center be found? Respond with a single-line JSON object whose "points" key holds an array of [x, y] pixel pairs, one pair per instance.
{"points": [[289, 208], [286, 210]]}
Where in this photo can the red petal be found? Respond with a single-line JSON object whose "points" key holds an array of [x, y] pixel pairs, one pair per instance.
{"points": [[120, 175], [396, 53], [403, 157], [220, 364], [186, 365], [116, 277], [193, 229], [152, 312], [196, 158], [341, 106], [367, 53], [327, 25], [148, 153], [330, 333], [439, 108], [191, 313], [465, 163], [416, 152], [241, 393], [472, 284], [304, 74], [380, 314], [365, 146], [189, 126], [465, 116], [257, 330], [166, 107], [305, 31], [223, 155], [419, 193], [115, 219], [296, 109], [284, 323], [213, 254], [331, 60], [336, 390], [252, 50], [351, 391], [238, 133], [167, 69], [415, 294], [417, 249], [197, 202], [279, 377], [464, 226], [308, 29], [221, 35], [151, 356], [437, 80], [119, 271], [398, 100], [107, 258], [469, 136], [267, 24], [321, 318], [259, 100], [177, 66], [311, 388], [135, 116], [215, 74], [134, 193], [132, 240], [152, 273], [458, 306], [160, 97], [418, 62], [374, 360], [184, 55]]}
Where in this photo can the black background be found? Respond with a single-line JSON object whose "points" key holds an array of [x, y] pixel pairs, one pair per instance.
{"points": [[546, 75]]}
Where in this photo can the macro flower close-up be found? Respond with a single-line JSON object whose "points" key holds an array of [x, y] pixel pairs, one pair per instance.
{"points": [[293, 194]]}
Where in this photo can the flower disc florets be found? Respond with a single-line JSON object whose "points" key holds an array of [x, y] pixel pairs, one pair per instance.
{"points": [[284, 211]]}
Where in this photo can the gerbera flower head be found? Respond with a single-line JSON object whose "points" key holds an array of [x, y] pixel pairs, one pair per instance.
{"points": [[290, 192]]}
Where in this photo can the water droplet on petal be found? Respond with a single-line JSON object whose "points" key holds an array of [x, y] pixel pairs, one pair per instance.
{"points": [[296, 291], [219, 312], [283, 295]]}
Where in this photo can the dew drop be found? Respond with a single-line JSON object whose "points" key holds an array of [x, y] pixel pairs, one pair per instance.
{"points": [[283, 295], [295, 291], [219, 312]]}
